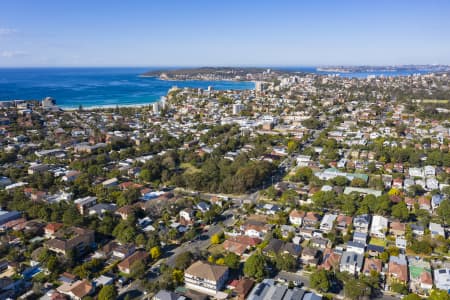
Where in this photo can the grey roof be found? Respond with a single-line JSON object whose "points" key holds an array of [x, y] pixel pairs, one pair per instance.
{"points": [[98, 208], [311, 296], [376, 248], [167, 295], [360, 235], [260, 290], [5, 217], [362, 219], [355, 244], [277, 292], [351, 258], [278, 246], [295, 294]]}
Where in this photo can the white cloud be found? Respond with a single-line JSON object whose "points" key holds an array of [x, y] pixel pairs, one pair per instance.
{"points": [[12, 53], [4, 31]]}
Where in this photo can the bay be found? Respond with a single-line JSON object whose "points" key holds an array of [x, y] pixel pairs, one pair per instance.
{"points": [[94, 87]]}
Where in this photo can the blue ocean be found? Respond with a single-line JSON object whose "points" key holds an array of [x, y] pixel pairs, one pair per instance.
{"points": [[92, 87]]}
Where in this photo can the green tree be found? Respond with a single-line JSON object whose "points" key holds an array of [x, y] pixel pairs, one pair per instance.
{"points": [[108, 292], [412, 297], [400, 211], [289, 196], [399, 288], [303, 174], [232, 260], [293, 146], [443, 211], [340, 181], [320, 280], [137, 269], [285, 262], [323, 199], [439, 295], [255, 266], [355, 289]]}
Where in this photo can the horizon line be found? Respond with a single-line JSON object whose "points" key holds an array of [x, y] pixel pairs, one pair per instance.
{"points": [[224, 66]]}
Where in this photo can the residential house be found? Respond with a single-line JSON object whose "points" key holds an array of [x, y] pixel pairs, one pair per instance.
{"points": [[243, 288], [7, 216], [356, 247], [311, 219], [374, 250], [398, 269], [69, 239], [372, 265], [115, 250], [417, 229], [320, 242], [442, 279], [126, 265], [296, 217], [400, 242], [205, 277], [101, 208], [351, 262], [76, 290], [276, 246], [125, 211], [343, 222], [167, 295], [187, 216], [246, 241], [70, 176], [397, 228], [254, 229], [310, 256], [38, 169], [331, 260], [51, 228], [361, 223], [203, 206], [424, 203], [379, 226], [327, 222], [436, 230], [420, 278], [436, 200], [110, 182], [83, 204]]}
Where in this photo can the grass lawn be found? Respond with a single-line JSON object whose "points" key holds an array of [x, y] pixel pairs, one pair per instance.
{"points": [[435, 101], [216, 249], [378, 242]]}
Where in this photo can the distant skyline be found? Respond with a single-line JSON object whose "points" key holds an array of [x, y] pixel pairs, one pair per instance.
{"points": [[52, 33]]}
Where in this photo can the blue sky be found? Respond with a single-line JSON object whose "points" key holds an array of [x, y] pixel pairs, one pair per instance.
{"points": [[199, 33]]}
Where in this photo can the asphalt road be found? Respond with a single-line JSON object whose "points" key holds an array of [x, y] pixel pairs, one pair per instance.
{"points": [[193, 246]]}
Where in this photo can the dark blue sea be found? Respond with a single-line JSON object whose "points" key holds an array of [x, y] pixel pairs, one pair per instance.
{"points": [[91, 87]]}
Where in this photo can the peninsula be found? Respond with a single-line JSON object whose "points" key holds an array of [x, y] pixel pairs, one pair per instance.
{"points": [[216, 73]]}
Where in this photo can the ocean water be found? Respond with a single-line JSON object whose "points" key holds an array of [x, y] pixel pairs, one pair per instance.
{"points": [[402, 72], [92, 87]]}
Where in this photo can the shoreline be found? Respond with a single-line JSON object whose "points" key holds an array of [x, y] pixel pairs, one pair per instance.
{"points": [[189, 79], [106, 106]]}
